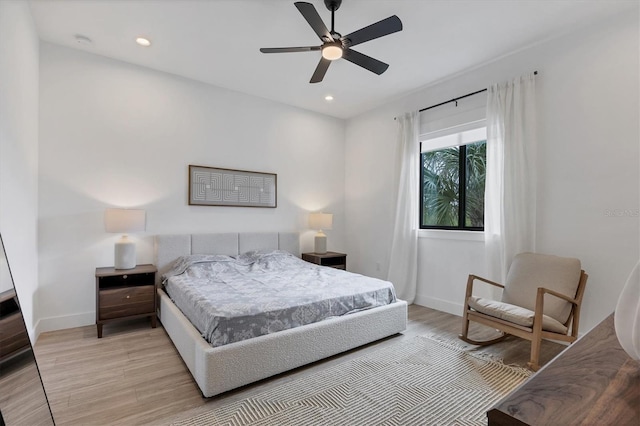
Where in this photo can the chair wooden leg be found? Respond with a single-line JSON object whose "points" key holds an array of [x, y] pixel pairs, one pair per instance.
{"points": [[535, 355], [536, 338], [465, 325], [465, 320]]}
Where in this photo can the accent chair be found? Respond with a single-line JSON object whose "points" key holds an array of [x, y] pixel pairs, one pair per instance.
{"points": [[541, 299]]}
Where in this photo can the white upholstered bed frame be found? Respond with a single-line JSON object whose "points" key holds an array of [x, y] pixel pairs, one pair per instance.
{"points": [[227, 367]]}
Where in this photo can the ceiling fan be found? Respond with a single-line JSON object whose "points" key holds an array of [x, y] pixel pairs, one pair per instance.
{"points": [[334, 45]]}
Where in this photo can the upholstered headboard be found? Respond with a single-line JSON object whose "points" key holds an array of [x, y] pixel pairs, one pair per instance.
{"points": [[170, 247]]}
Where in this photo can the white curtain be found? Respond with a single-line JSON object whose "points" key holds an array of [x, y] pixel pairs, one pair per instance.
{"points": [[510, 186], [403, 266]]}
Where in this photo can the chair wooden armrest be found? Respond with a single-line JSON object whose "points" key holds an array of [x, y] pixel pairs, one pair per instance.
{"points": [[559, 295], [476, 277], [470, 281], [539, 308]]}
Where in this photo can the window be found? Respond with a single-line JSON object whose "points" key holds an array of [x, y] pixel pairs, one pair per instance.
{"points": [[452, 174]]}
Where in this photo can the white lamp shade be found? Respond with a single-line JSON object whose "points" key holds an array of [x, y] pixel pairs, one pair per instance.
{"points": [[124, 221], [320, 221]]}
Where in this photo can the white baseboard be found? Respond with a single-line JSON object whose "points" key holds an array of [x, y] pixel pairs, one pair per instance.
{"points": [[67, 321], [438, 304]]}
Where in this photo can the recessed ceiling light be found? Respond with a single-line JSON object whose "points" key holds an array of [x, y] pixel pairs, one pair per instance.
{"points": [[82, 39], [143, 41], [328, 98]]}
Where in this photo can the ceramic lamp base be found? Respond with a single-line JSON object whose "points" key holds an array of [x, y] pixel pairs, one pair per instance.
{"points": [[320, 243], [125, 254]]}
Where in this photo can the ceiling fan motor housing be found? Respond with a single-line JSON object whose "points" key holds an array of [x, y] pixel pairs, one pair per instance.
{"points": [[332, 5]]}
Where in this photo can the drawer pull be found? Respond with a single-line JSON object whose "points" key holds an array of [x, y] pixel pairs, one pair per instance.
{"points": [[128, 296], [124, 277]]}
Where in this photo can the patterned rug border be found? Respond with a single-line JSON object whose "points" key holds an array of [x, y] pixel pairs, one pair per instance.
{"points": [[262, 409]]}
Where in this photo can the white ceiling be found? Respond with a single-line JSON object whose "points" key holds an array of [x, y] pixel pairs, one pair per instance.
{"points": [[217, 41]]}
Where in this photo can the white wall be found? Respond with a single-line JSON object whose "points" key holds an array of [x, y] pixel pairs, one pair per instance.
{"points": [[19, 151], [588, 170], [115, 134]]}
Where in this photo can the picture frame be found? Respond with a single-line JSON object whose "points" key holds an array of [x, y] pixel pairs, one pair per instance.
{"points": [[215, 186]]}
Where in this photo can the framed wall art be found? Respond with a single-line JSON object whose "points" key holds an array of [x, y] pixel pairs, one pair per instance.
{"points": [[213, 186]]}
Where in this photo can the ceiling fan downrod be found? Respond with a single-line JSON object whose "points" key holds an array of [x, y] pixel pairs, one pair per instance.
{"points": [[332, 5]]}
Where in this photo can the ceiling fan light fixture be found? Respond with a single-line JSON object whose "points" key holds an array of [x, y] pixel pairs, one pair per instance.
{"points": [[332, 51]]}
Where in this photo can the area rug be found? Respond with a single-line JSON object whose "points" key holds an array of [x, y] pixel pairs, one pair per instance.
{"points": [[420, 381]]}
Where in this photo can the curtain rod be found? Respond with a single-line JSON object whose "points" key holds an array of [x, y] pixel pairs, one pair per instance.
{"points": [[453, 100], [458, 98]]}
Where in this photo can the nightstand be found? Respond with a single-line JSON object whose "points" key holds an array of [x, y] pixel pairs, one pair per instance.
{"points": [[330, 258], [125, 294], [14, 339]]}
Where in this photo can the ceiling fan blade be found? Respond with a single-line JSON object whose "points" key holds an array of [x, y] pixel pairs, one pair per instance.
{"points": [[320, 71], [289, 49], [313, 18], [381, 28], [367, 62]]}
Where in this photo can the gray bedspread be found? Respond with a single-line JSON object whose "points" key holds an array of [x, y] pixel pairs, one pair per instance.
{"points": [[229, 299]]}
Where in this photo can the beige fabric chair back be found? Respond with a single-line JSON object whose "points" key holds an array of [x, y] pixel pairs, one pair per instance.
{"points": [[528, 271]]}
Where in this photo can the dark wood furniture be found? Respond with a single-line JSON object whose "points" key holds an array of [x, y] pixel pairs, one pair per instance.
{"points": [[125, 294], [14, 338], [330, 258], [592, 382]]}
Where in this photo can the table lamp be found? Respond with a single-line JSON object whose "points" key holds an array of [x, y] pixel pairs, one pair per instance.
{"points": [[320, 221], [124, 221]]}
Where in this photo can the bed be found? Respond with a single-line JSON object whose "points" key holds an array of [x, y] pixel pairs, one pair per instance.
{"points": [[234, 364]]}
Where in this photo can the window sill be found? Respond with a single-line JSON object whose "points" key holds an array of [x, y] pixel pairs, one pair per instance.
{"points": [[444, 234]]}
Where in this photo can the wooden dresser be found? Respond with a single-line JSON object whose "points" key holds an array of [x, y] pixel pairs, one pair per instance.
{"points": [[592, 382]]}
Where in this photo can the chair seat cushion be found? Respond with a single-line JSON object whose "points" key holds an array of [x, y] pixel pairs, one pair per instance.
{"points": [[514, 314]]}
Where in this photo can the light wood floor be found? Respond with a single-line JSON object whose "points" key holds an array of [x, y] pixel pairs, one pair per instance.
{"points": [[134, 375], [21, 397]]}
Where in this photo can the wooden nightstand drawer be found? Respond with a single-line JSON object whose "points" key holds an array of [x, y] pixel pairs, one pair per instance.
{"points": [[123, 302]]}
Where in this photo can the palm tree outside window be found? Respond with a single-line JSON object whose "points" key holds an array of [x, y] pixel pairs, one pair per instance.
{"points": [[452, 181]]}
